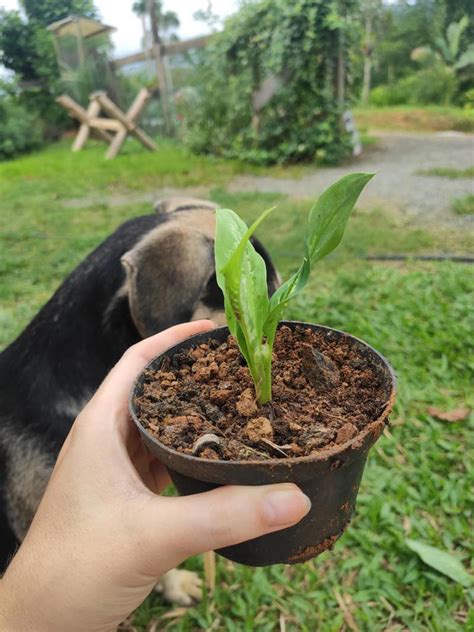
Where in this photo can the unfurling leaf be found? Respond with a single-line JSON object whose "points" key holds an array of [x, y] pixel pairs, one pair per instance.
{"points": [[441, 561], [242, 276]]}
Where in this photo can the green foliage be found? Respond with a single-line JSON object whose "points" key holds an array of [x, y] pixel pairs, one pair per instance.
{"points": [[241, 274], [45, 12], [20, 130], [166, 20], [17, 44], [448, 49], [408, 36], [403, 27], [434, 84], [26, 47], [469, 99], [295, 46]]}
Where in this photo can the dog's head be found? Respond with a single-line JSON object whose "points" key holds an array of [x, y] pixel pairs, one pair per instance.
{"points": [[170, 272]]}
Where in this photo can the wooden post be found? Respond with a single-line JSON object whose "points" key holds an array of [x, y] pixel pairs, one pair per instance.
{"points": [[84, 130], [160, 68], [132, 114], [119, 122], [78, 112], [80, 44], [210, 571], [115, 112]]}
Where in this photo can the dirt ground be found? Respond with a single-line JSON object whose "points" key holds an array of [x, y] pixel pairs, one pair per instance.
{"points": [[395, 158]]}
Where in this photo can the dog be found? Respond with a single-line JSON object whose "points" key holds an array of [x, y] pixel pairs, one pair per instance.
{"points": [[153, 272]]}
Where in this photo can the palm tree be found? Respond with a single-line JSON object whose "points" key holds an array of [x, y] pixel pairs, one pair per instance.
{"points": [[161, 22], [166, 20]]}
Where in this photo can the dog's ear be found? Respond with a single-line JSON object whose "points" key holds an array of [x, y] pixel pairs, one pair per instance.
{"points": [[170, 205], [167, 273]]}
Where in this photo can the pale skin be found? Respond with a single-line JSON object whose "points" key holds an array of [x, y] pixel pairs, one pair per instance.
{"points": [[102, 535]]}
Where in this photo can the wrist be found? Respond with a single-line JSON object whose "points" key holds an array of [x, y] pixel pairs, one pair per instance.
{"points": [[12, 614], [26, 605]]}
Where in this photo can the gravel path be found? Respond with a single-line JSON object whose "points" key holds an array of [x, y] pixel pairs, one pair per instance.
{"points": [[396, 158]]}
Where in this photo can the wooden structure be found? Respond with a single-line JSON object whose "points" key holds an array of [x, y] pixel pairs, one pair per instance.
{"points": [[113, 130], [82, 30], [81, 45], [159, 52]]}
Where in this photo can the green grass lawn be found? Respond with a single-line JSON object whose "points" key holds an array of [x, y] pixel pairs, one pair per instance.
{"points": [[419, 477]]}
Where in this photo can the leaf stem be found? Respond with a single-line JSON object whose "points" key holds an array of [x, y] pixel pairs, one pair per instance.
{"points": [[265, 394]]}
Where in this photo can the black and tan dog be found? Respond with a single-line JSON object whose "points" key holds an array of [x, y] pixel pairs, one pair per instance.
{"points": [[152, 272]]}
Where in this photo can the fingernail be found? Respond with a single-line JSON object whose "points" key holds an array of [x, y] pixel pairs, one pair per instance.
{"points": [[284, 507]]}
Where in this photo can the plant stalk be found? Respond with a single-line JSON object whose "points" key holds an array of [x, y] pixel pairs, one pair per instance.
{"points": [[264, 369]]}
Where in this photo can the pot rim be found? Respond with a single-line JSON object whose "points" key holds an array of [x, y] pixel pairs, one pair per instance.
{"points": [[322, 455]]}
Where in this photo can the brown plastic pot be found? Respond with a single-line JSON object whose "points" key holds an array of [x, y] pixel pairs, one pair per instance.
{"points": [[330, 479]]}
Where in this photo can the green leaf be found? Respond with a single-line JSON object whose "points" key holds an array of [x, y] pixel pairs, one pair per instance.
{"points": [[466, 59], [327, 221], [229, 231], [241, 273], [242, 276], [329, 216], [444, 49], [441, 561], [454, 32]]}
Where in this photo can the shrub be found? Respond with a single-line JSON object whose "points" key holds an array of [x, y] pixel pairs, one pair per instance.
{"points": [[468, 99], [384, 96], [20, 131], [435, 84], [293, 44]]}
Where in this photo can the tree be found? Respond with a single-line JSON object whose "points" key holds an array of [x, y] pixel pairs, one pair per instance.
{"points": [[26, 47], [457, 9], [271, 83], [24, 43], [45, 12], [17, 45], [167, 21], [371, 13], [399, 28], [208, 16]]}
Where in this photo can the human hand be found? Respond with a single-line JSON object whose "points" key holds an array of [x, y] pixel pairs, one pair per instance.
{"points": [[102, 536]]}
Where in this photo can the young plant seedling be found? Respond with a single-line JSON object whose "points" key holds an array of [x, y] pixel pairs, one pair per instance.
{"points": [[253, 317]]}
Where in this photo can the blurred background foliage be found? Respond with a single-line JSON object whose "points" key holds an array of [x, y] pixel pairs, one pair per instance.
{"points": [[415, 53]]}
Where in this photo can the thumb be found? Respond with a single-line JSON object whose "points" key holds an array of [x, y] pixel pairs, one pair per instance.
{"points": [[222, 517]]}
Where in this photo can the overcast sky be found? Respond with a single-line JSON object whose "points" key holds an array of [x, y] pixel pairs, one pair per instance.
{"points": [[127, 38]]}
